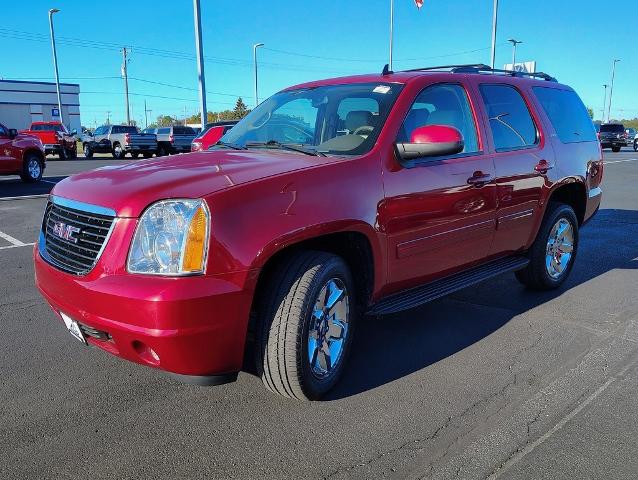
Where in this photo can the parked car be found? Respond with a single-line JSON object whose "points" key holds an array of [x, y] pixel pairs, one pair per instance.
{"points": [[21, 154], [612, 135], [632, 137], [85, 136], [119, 140], [211, 134], [176, 139], [55, 137], [398, 188]]}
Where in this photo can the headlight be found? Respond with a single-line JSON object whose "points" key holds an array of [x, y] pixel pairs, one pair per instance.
{"points": [[171, 239]]}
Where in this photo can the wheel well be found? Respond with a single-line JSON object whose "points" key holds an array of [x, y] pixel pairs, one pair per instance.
{"points": [[35, 152], [574, 195], [353, 247]]}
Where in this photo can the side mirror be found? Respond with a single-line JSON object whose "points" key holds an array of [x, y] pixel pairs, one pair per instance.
{"points": [[13, 133], [74, 132], [431, 141]]}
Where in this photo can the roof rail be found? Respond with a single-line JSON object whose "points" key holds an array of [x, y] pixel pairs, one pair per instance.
{"points": [[482, 68]]}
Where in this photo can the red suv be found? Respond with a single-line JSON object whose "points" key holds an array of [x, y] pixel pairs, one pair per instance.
{"points": [[21, 154], [330, 201], [211, 134]]}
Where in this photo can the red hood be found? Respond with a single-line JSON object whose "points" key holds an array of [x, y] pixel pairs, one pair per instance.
{"points": [[129, 189]]}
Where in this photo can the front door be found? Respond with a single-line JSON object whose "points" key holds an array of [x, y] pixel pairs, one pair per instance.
{"points": [[439, 213], [8, 161]]}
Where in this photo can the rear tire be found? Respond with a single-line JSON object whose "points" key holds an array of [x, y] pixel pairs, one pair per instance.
{"points": [[552, 257], [305, 325], [118, 152], [72, 153], [88, 151], [635, 145], [135, 154], [161, 151], [147, 154], [32, 168]]}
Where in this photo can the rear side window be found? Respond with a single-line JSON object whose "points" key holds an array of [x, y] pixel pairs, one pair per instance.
{"points": [[510, 121], [183, 131], [612, 128], [567, 113], [163, 131]]}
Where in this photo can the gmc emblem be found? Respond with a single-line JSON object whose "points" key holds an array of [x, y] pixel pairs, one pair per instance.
{"points": [[65, 232]]}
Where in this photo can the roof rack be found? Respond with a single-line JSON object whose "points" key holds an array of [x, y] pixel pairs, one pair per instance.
{"points": [[482, 68]]}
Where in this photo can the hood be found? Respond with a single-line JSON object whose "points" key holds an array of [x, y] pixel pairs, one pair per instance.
{"points": [[128, 189]]}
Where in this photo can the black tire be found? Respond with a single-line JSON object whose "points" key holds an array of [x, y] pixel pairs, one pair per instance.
{"points": [[536, 275], [615, 149], [161, 151], [29, 174], [135, 154], [62, 155], [88, 151], [72, 153], [284, 316], [635, 145], [118, 152], [147, 154]]}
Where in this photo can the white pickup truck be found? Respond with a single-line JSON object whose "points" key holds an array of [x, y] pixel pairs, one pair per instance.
{"points": [[119, 140]]}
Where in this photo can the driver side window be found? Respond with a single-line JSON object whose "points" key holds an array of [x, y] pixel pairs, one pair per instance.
{"points": [[442, 104]]}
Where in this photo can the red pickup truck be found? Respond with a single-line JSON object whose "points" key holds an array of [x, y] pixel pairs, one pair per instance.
{"points": [[330, 201], [21, 155], [57, 140]]}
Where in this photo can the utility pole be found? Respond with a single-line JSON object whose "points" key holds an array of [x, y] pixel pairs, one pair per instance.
{"points": [[200, 61], [55, 61], [611, 89], [391, 31], [125, 75], [145, 115], [108, 117], [494, 25], [604, 101], [255, 47]]}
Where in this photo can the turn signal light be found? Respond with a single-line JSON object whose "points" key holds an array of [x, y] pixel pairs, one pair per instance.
{"points": [[195, 247]]}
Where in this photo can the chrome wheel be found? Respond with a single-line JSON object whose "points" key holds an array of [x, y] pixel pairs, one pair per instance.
{"points": [[328, 328], [118, 150], [87, 150], [560, 248], [34, 168]]}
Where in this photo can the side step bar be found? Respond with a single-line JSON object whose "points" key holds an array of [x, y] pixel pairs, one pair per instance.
{"points": [[440, 288]]}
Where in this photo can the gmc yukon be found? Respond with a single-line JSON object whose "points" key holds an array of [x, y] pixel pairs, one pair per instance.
{"points": [[330, 201], [21, 154]]}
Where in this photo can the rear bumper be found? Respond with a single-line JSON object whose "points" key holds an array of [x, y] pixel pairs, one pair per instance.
{"points": [[140, 148], [194, 327], [52, 148], [613, 143]]}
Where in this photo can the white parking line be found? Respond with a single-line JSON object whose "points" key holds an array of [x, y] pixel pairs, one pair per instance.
{"points": [[14, 241], [17, 246], [622, 161]]}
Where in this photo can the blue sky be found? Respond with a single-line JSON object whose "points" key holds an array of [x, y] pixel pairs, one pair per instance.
{"points": [[304, 41]]}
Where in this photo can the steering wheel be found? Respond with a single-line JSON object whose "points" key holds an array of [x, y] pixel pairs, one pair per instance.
{"points": [[363, 130]]}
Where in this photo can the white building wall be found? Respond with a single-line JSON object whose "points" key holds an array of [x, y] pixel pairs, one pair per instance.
{"points": [[24, 102]]}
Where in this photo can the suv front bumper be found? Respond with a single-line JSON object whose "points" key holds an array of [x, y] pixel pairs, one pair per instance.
{"points": [[194, 327]]}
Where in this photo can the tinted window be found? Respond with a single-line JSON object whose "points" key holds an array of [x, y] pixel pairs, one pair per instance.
{"points": [[163, 131], [510, 121], [614, 128], [567, 113], [183, 131], [442, 105], [3, 132], [47, 128]]}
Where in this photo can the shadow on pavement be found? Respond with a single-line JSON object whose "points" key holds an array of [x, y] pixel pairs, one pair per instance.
{"points": [[17, 188], [388, 348]]}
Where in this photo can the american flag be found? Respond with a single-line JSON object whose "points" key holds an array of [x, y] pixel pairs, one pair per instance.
{"points": [[419, 3]]}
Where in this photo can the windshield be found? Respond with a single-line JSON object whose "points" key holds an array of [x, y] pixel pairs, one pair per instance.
{"points": [[332, 119], [47, 128], [612, 128]]}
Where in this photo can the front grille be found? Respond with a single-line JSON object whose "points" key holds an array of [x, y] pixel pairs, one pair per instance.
{"points": [[86, 234]]}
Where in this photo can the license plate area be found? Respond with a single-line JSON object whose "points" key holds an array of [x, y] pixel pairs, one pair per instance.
{"points": [[73, 327]]}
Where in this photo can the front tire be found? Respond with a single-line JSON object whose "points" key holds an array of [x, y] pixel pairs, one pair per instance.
{"points": [[305, 325], [553, 252], [118, 151], [88, 151], [32, 169]]}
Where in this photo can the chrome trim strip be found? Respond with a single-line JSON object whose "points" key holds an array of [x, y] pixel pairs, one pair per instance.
{"points": [[81, 206]]}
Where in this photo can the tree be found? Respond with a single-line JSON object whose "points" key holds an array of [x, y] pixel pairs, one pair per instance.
{"points": [[164, 121], [241, 110], [591, 112]]}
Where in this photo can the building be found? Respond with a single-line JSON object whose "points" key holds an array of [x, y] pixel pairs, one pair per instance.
{"points": [[24, 102]]}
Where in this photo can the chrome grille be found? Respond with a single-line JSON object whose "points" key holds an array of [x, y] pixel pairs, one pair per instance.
{"points": [[73, 238]]}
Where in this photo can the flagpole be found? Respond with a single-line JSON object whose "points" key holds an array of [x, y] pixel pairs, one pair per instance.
{"points": [[391, 30]]}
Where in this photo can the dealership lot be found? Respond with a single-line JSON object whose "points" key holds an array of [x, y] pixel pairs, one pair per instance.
{"points": [[495, 380]]}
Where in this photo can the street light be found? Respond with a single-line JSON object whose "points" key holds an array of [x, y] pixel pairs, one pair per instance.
{"points": [[514, 43], [494, 23], [200, 61], [604, 101], [611, 89], [55, 61], [255, 47]]}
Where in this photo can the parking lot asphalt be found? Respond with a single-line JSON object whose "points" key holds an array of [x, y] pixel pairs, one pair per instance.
{"points": [[492, 382]]}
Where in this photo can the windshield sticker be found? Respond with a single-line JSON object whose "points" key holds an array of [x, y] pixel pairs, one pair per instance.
{"points": [[381, 89]]}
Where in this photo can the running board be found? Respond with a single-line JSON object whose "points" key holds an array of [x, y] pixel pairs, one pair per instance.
{"points": [[440, 288]]}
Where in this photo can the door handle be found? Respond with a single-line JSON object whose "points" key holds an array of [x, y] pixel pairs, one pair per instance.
{"points": [[479, 179], [543, 166]]}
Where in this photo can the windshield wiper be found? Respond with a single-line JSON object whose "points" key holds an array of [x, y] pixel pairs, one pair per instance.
{"points": [[287, 146], [234, 146]]}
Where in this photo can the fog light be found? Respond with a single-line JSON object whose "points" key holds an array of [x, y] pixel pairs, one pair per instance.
{"points": [[146, 353]]}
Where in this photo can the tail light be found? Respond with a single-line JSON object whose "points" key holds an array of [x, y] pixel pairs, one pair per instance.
{"points": [[196, 146], [171, 138], [127, 138]]}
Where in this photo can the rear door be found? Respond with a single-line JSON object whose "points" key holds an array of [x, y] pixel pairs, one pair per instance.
{"points": [[437, 217], [522, 157]]}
